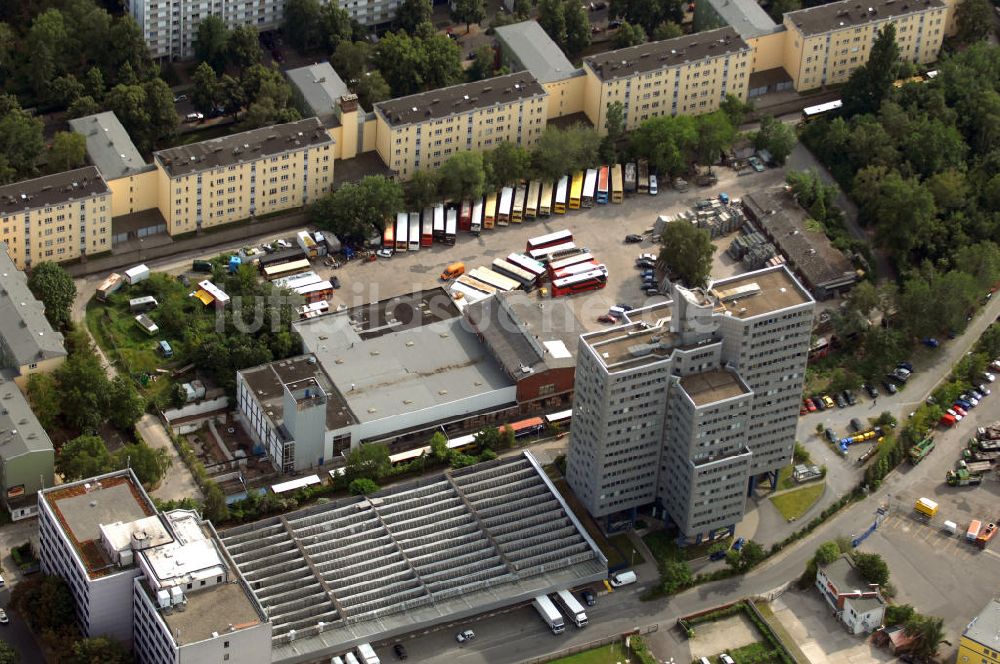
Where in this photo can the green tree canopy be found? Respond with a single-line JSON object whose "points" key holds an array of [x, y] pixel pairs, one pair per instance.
{"points": [[468, 12], [216, 509], [84, 456], [358, 210], [827, 553], [929, 633], [362, 486], [148, 463], [463, 176], [45, 602], [82, 381], [68, 151], [668, 142], [482, 66], [51, 284], [124, 403], [412, 13], [8, 655], [371, 88], [667, 30], [210, 42], [577, 27], [776, 137], [206, 92], [422, 190], [243, 47], [505, 164], [675, 575], [686, 251], [46, 402], [973, 19], [629, 35], [552, 18], [368, 461], [716, 134], [872, 82], [561, 151], [648, 13], [21, 141], [872, 568], [100, 650]]}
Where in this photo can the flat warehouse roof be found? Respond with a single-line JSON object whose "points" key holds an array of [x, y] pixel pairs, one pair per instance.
{"points": [[652, 56], [778, 289], [246, 146], [217, 609], [361, 569], [852, 13], [712, 386], [445, 102]]}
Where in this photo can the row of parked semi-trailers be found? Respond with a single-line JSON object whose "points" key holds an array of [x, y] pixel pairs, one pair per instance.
{"points": [[414, 230]]}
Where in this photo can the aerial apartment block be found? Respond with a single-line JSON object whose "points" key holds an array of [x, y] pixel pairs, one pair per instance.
{"points": [[682, 406], [161, 582], [978, 644], [56, 217], [825, 44], [240, 176], [687, 75], [422, 131]]}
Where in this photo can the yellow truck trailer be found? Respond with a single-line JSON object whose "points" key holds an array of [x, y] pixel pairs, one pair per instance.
{"points": [[926, 506]]}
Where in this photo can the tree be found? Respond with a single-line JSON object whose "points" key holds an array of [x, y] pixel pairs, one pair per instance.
{"points": [[124, 403], [211, 41], [648, 13], [929, 633], [8, 655], [68, 151], [560, 151], [64, 90], [351, 59], [21, 140], [552, 18], [629, 35], [667, 30], [216, 509], [488, 438], [463, 176], [372, 88], [100, 650], [872, 568], [614, 124], [412, 13], [302, 24], [715, 135], [778, 8], [827, 553], [687, 251], [973, 20], [443, 61], [577, 27], [82, 106], [358, 210], [468, 12], [51, 284], [45, 602], [482, 66], [93, 83], [243, 47], [84, 456], [667, 142], [368, 460], [205, 91], [81, 380], [872, 82], [402, 61], [422, 190], [746, 558], [505, 164], [336, 25], [898, 614], [43, 394], [439, 446], [148, 463], [675, 575], [362, 487], [776, 137], [161, 112]]}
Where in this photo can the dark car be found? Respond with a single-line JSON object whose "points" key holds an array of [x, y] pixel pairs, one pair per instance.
{"points": [[632, 238], [831, 435], [819, 403], [738, 544], [889, 386], [871, 390], [905, 365], [335, 282], [851, 399], [399, 650], [717, 555], [626, 307], [588, 597], [652, 291], [841, 401], [614, 24]]}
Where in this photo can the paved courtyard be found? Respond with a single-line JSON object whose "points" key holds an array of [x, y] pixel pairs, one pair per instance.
{"points": [[809, 621], [723, 635]]}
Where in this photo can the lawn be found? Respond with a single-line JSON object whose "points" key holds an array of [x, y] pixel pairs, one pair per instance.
{"points": [[785, 479], [664, 547], [755, 653], [793, 504], [609, 654], [632, 554]]}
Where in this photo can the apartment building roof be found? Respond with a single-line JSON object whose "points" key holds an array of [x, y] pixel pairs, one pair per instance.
{"points": [[412, 556], [535, 51], [49, 190], [713, 386], [652, 56], [21, 432], [26, 332], [81, 508], [108, 145], [641, 340], [246, 146], [807, 248], [760, 292], [985, 628], [524, 336], [851, 13], [320, 86], [444, 102], [746, 16], [404, 354], [268, 383]]}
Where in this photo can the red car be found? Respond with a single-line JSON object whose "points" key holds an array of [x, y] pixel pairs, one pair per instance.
{"points": [[958, 409], [810, 406]]}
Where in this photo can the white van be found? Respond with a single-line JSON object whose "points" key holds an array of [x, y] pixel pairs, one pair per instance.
{"points": [[623, 578], [949, 527]]}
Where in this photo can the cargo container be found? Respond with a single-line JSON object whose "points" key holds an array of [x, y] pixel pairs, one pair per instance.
{"points": [[926, 506], [112, 283], [972, 532], [134, 275]]}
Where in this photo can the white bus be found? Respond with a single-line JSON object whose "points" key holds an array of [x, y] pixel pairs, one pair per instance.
{"points": [[531, 203], [589, 188], [545, 201], [494, 279], [562, 192], [506, 203], [582, 257], [451, 226], [529, 265], [477, 217], [526, 279], [545, 253], [517, 212], [439, 223], [562, 418], [478, 285], [578, 268], [402, 231], [414, 237], [549, 240]]}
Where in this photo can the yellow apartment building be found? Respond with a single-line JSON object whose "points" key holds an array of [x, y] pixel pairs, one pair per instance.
{"points": [[423, 130], [237, 177], [824, 44], [979, 643], [688, 75], [56, 218]]}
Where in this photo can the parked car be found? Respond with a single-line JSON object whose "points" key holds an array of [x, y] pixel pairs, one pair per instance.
{"points": [[612, 25], [986, 391], [810, 406], [738, 544], [194, 117], [828, 402], [756, 164], [889, 386], [180, 98], [652, 291], [589, 598], [830, 434], [717, 555], [930, 342], [819, 403], [995, 365], [726, 659], [384, 253], [851, 399], [594, 30], [905, 365], [632, 238], [990, 378], [624, 578], [606, 318], [653, 191], [400, 650], [466, 635], [958, 409], [871, 390], [3, 617], [284, 244], [841, 401], [624, 307], [335, 282]]}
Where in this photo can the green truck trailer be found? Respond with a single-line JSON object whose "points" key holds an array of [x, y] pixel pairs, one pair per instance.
{"points": [[919, 451]]}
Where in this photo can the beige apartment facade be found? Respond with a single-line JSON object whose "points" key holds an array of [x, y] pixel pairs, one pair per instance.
{"points": [[422, 131], [824, 44], [684, 76], [244, 175], [57, 217]]}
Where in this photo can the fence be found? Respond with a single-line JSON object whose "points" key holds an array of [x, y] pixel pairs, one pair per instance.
{"points": [[591, 645]]}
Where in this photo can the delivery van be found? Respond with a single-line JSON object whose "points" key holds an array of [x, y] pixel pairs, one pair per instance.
{"points": [[623, 578], [452, 271]]}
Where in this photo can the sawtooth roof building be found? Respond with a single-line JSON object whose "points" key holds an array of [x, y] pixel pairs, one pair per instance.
{"points": [[404, 559]]}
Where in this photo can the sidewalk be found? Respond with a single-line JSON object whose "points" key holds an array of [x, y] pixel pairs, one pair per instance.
{"points": [[178, 482]]}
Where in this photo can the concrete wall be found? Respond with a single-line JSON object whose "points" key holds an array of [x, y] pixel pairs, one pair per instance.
{"points": [[768, 51], [33, 471], [199, 408]]}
